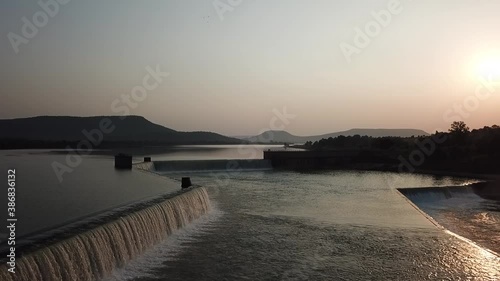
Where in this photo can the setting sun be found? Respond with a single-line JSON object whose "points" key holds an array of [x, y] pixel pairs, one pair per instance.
{"points": [[488, 66]]}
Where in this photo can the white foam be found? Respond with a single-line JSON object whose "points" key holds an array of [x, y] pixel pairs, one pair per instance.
{"points": [[153, 259]]}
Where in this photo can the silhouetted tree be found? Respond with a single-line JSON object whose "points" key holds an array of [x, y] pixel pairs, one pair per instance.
{"points": [[459, 127]]}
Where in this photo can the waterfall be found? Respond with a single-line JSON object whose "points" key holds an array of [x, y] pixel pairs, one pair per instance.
{"points": [[423, 195], [94, 254]]}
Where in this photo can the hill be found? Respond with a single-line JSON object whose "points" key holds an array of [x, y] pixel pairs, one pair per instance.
{"points": [[127, 129], [283, 136]]}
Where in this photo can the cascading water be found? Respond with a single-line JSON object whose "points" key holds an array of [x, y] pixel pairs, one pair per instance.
{"points": [[95, 253], [468, 211], [432, 194]]}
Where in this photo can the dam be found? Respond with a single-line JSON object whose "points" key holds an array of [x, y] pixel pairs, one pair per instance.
{"points": [[95, 253], [92, 247]]}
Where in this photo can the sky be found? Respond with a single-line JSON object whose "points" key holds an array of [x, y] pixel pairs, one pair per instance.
{"points": [[233, 64]]}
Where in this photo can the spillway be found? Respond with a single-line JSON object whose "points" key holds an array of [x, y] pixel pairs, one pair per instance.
{"points": [[95, 253], [471, 211], [422, 195]]}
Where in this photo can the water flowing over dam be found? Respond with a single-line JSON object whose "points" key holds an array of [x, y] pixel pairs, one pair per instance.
{"points": [[94, 254], [424, 195], [472, 211]]}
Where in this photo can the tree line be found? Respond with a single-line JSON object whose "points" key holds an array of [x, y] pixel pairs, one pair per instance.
{"points": [[459, 149]]}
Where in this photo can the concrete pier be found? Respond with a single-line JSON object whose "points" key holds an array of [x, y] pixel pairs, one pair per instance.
{"points": [[186, 182], [123, 161]]}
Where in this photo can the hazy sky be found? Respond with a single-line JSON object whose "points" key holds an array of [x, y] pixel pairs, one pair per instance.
{"points": [[229, 70]]}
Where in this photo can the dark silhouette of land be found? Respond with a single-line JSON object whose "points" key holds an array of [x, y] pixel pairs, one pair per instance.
{"points": [[286, 137], [133, 131], [114, 131], [459, 150]]}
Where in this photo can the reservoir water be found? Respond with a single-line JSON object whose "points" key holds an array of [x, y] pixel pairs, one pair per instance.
{"points": [[262, 225]]}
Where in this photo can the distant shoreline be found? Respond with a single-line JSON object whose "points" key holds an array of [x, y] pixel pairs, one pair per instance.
{"points": [[35, 144], [111, 148]]}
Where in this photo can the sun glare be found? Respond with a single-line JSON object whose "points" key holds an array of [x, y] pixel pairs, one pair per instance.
{"points": [[488, 66]]}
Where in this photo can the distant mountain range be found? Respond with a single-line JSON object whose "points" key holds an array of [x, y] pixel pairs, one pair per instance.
{"points": [[29, 132], [284, 136], [126, 129]]}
